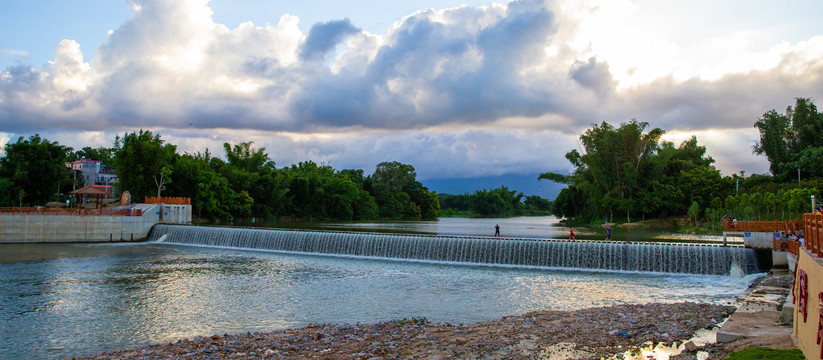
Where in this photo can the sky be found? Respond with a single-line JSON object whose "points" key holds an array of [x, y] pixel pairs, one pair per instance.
{"points": [[458, 89]]}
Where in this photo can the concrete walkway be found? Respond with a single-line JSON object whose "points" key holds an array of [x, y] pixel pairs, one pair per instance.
{"points": [[759, 321]]}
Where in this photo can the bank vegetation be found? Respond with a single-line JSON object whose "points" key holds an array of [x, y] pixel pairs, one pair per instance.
{"points": [[627, 173]]}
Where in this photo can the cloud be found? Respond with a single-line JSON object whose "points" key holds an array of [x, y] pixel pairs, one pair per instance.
{"points": [[467, 90], [731, 149], [13, 52], [593, 76], [433, 69], [436, 154], [324, 37]]}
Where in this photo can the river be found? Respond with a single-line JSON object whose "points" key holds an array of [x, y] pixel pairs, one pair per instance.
{"points": [[64, 300]]}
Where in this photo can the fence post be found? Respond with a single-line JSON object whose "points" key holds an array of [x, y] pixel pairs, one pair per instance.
{"points": [[819, 233]]}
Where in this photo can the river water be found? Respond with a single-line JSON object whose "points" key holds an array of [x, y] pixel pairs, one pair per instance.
{"points": [[540, 227], [64, 300]]}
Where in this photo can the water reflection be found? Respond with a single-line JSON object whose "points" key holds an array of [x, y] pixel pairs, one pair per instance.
{"points": [[536, 227], [69, 300]]}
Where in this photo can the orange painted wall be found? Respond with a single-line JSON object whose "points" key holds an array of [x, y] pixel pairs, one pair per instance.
{"points": [[806, 331]]}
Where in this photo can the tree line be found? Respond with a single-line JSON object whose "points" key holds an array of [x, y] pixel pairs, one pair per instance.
{"points": [[627, 172], [245, 185], [494, 203]]}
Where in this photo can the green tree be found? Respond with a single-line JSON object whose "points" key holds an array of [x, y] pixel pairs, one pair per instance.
{"points": [[398, 193], [357, 176], [571, 202], [186, 169], [628, 170], [163, 179], [497, 202], [694, 211], [609, 171], [8, 192], [488, 203], [426, 201], [700, 184], [392, 177], [364, 207], [213, 195], [103, 154], [309, 190], [242, 204], [732, 204], [35, 168], [245, 157], [139, 157], [791, 141], [536, 204]]}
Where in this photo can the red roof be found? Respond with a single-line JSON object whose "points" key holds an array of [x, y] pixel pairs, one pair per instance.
{"points": [[92, 190]]}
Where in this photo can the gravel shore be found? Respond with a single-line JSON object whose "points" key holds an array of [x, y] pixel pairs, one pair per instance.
{"points": [[584, 334]]}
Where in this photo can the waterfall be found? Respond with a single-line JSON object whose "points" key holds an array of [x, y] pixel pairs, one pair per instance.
{"points": [[559, 254]]}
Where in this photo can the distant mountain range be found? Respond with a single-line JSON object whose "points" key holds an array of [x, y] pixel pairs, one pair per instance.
{"points": [[525, 183]]}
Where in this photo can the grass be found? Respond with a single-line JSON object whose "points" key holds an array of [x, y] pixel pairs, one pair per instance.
{"points": [[701, 229], [756, 353], [675, 224]]}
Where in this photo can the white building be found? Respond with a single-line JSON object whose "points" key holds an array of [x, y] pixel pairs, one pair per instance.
{"points": [[93, 172]]}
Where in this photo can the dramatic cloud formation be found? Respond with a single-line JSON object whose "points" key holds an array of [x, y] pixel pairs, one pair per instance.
{"points": [[460, 92]]}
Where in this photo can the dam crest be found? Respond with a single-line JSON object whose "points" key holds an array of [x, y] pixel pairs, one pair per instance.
{"points": [[484, 251]]}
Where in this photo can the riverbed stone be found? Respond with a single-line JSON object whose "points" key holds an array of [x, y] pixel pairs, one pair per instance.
{"points": [[588, 333]]}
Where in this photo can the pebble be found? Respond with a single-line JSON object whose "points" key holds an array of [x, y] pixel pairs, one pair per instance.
{"points": [[603, 332]]}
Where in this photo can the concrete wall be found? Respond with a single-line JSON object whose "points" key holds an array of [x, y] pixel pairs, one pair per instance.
{"points": [[34, 228], [758, 240], [177, 214], [806, 331], [765, 240]]}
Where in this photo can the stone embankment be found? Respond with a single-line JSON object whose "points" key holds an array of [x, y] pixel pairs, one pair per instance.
{"points": [[584, 334], [761, 318]]}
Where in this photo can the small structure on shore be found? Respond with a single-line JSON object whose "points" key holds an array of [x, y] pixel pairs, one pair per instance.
{"points": [[760, 235], [97, 191]]}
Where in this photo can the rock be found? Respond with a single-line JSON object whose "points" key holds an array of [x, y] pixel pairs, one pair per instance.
{"points": [[605, 332], [691, 346]]}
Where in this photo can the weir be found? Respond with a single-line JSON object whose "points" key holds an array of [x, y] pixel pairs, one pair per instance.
{"points": [[559, 254]]}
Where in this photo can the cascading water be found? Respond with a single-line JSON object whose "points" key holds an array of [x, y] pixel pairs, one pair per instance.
{"points": [[644, 257]]}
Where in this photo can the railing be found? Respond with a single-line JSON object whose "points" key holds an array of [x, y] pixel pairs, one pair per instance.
{"points": [[780, 244], [759, 226], [168, 200], [793, 246], [813, 233], [794, 226], [70, 211], [786, 244]]}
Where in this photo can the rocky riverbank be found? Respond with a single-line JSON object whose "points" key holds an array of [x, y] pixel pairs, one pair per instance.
{"points": [[584, 334]]}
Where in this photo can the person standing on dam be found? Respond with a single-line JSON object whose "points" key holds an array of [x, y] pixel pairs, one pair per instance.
{"points": [[496, 229]]}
